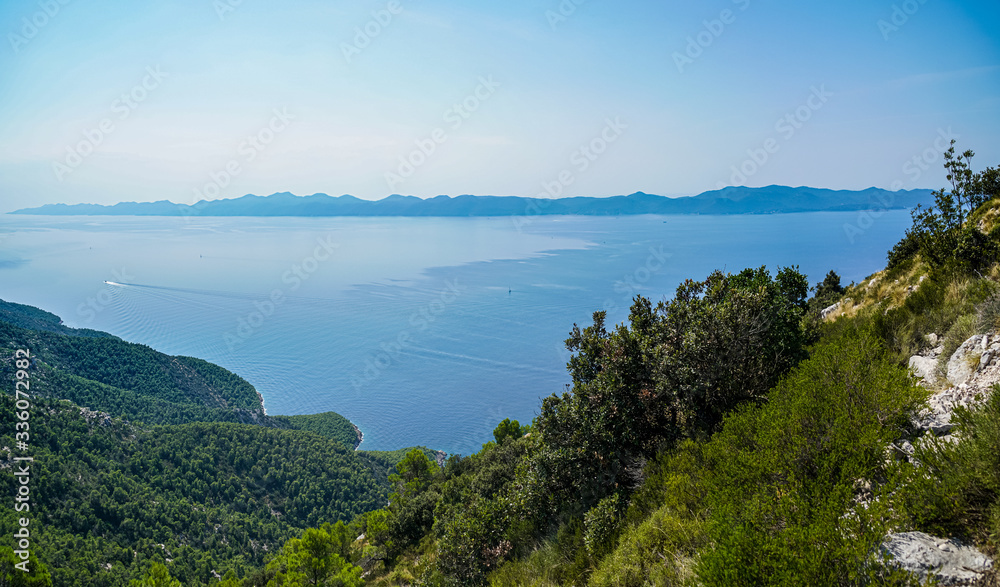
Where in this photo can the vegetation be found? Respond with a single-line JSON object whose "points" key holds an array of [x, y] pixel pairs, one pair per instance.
{"points": [[136, 368], [954, 489], [329, 424], [148, 471], [728, 436], [198, 497], [941, 234]]}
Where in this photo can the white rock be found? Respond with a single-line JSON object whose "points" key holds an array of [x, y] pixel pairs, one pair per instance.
{"points": [[923, 368], [937, 420], [932, 339], [828, 310], [965, 360], [950, 562]]}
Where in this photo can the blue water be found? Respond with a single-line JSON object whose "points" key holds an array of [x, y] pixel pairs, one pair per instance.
{"points": [[420, 330]]}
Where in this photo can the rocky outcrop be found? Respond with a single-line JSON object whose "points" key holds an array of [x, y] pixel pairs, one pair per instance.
{"points": [[948, 561], [937, 418], [972, 370], [102, 418], [965, 361], [924, 367]]}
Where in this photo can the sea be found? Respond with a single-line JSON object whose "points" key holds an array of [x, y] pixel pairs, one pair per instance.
{"points": [[421, 331]]}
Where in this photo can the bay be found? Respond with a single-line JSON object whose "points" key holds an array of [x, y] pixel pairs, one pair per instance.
{"points": [[422, 331]]}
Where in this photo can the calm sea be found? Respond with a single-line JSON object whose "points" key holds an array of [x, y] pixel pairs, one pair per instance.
{"points": [[420, 330]]}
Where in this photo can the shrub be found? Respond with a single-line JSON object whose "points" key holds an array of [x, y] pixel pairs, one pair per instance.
{"points": [[783, 476], [601, 525], [988, 314], [904, 250], [954, 489], [659, 551]]}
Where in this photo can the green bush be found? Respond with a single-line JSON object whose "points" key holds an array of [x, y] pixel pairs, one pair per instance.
{"points": [[784, 476], [660, 551], [937, 304], [602, 525], [905, 250], [954, 488], [540, 569]]}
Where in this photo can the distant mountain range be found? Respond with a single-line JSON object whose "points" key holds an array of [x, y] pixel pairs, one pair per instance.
{"points": [[730, 200]]}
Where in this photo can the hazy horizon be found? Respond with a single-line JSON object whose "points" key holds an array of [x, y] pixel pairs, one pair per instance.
{"points": [[111, 101]]}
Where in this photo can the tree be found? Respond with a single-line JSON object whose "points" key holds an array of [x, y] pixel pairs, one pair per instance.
{"points": [[156, 576], [507, 429], [230, 580], [668, 373], [940, 232], [11, 576], [316, 558], [829, 289]]}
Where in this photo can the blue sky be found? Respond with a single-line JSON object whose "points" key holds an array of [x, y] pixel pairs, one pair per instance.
{"points": [[104, 101]]}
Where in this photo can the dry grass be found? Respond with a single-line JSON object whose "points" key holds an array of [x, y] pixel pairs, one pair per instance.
{"points": [[883, 289], [987, 217]]}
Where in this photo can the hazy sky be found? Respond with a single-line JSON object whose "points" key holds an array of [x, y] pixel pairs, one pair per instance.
{"points": [[103, 100]]}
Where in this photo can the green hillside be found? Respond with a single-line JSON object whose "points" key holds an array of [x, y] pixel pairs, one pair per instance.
{"points": [[329, 424], [144, 457], [112, 497]]}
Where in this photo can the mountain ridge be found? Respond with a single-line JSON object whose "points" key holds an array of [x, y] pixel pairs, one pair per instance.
{"points": [[731, 200]]}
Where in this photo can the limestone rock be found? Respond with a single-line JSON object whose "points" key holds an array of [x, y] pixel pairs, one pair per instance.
{"points": [[936, 420], [923, 368], [828, 310], [949, 561], [965, 361]]}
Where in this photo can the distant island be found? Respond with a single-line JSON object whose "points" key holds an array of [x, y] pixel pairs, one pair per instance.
{"points": [[730, 200]]}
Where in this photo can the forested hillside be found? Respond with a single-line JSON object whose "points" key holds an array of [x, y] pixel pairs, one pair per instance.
{"points": [[102, 372], [113, 497], [144, 458]]}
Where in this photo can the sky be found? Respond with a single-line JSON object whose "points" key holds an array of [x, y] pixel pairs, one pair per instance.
{"points": [[104, 101]]}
